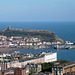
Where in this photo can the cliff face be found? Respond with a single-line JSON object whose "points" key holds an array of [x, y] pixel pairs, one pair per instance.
{"points": [[44, 35]]}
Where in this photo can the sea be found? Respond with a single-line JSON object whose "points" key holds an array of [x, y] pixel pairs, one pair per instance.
{"points": [[64, 30]]}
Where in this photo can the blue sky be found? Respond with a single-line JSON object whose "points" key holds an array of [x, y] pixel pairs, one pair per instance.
{"points": [[37, 10]]}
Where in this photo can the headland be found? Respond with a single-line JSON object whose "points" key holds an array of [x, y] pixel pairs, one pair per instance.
{"points": [[15, 39]]}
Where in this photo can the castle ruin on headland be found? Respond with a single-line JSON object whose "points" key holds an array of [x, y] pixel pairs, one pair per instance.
{"points": [[14, 29]]}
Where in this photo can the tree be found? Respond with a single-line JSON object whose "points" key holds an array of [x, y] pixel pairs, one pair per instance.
{"points": [[47, 66]]}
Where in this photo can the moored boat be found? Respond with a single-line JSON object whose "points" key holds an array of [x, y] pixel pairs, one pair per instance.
{"points": [[60, 47]]}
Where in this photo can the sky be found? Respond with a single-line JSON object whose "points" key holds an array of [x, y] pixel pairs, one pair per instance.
{"points": [[37, 10]]}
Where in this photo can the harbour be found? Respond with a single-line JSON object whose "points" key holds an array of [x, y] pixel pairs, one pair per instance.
{"points": [[64, 30], [64, 47], [37, 37]]}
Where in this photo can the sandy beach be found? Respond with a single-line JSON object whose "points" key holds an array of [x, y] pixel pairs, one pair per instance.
{"points": [[7, 50]]}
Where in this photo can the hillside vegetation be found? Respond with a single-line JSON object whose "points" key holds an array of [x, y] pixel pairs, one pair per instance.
{"points": [[44, 35]]}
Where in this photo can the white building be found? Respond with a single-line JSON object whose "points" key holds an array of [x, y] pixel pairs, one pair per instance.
{"points": [[44, 57], [49, 56]]}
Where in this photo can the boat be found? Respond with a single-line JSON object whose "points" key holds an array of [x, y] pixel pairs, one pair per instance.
{"points": [[61, 47]]}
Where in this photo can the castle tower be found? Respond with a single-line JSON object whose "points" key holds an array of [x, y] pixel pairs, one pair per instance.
{"points": [[9, 27]]}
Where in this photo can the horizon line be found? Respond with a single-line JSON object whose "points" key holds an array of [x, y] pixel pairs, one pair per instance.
{"points": [[37, 21]]}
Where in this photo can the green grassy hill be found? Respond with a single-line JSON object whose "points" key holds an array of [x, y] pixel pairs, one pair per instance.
{"points": [[44, 35]]}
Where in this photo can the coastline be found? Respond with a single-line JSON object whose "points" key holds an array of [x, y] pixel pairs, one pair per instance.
{"points": [[8, 50]]}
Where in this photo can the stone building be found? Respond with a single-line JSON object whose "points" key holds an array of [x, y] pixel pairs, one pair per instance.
{"points": [[21, 71], [66, 69], [34, 68]]}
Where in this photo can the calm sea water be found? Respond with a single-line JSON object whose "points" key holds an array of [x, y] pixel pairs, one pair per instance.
{"points": [[64, 30]]}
